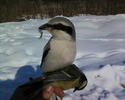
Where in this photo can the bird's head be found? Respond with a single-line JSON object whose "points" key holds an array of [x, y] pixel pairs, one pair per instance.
{"points": [[60, 28], [81, 84]]}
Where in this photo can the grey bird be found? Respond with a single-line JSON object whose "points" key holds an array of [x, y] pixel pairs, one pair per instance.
{"points": [[58, 57], [60, 51]]}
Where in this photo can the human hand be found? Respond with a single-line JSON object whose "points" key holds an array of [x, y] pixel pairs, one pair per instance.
{"points": [[48, 91], [44, 94]]}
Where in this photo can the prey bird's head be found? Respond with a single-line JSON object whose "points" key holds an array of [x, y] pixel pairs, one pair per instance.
{"points": [[82, 83], [60, 28]]}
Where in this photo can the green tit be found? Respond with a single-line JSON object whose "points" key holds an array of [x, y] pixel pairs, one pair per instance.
{"points": [[65, 78]]}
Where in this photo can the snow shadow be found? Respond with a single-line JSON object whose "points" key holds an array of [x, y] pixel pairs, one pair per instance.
{"points": [[22, 76], [25, 72]]}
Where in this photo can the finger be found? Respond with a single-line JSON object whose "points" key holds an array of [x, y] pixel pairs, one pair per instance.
{"points": [[47, 92], [59, 92]]}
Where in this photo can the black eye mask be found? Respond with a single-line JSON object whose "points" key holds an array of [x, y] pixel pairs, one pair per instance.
{"points": [[59, 26], [62, 27]]}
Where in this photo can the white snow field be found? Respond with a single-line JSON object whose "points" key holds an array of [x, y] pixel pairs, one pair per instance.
{"points": [[100, 55]]}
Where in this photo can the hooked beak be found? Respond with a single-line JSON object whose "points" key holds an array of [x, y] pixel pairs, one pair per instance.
{"points": [[43, 27]]}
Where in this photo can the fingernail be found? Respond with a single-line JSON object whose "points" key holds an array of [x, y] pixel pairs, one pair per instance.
{"points": [[49, 89]]}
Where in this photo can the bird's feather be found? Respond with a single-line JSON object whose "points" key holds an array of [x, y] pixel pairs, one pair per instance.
{"points": [[46, 51]]}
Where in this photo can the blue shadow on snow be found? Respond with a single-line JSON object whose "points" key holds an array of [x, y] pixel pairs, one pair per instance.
{"points": [[22, 76]]}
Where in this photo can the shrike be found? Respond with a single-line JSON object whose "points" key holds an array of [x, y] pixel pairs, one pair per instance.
{"points": [[60, 51]]}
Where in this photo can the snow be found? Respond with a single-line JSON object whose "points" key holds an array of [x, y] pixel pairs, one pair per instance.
{"points": [[100, 55]]}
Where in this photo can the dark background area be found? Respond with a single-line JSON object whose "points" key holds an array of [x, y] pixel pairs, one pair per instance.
{"points": [[19, 10]]}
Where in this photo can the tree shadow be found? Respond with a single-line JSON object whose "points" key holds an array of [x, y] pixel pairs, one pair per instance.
{"points": [[22, 76]]}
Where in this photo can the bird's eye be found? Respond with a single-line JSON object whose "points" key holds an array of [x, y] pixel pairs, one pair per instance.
{"points": [[58, 26], [62, 27]]}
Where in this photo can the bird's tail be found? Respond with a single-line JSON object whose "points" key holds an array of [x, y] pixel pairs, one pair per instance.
{"points": [[55, 97]]}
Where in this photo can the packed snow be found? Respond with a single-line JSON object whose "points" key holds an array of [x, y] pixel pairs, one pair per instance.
{"points": [[100, 55]]}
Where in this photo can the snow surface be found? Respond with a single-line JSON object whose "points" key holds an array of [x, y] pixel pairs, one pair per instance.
{"points": [[100, 54]]}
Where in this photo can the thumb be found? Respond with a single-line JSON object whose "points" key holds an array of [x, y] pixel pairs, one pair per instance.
{"points": [[47, 92]]}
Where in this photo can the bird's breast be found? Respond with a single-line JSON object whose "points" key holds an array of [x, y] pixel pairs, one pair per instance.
{"points": [[61, 54], [64, 49]]}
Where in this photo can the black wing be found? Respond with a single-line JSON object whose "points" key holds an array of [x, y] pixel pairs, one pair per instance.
{"points": [[46, 51]]}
